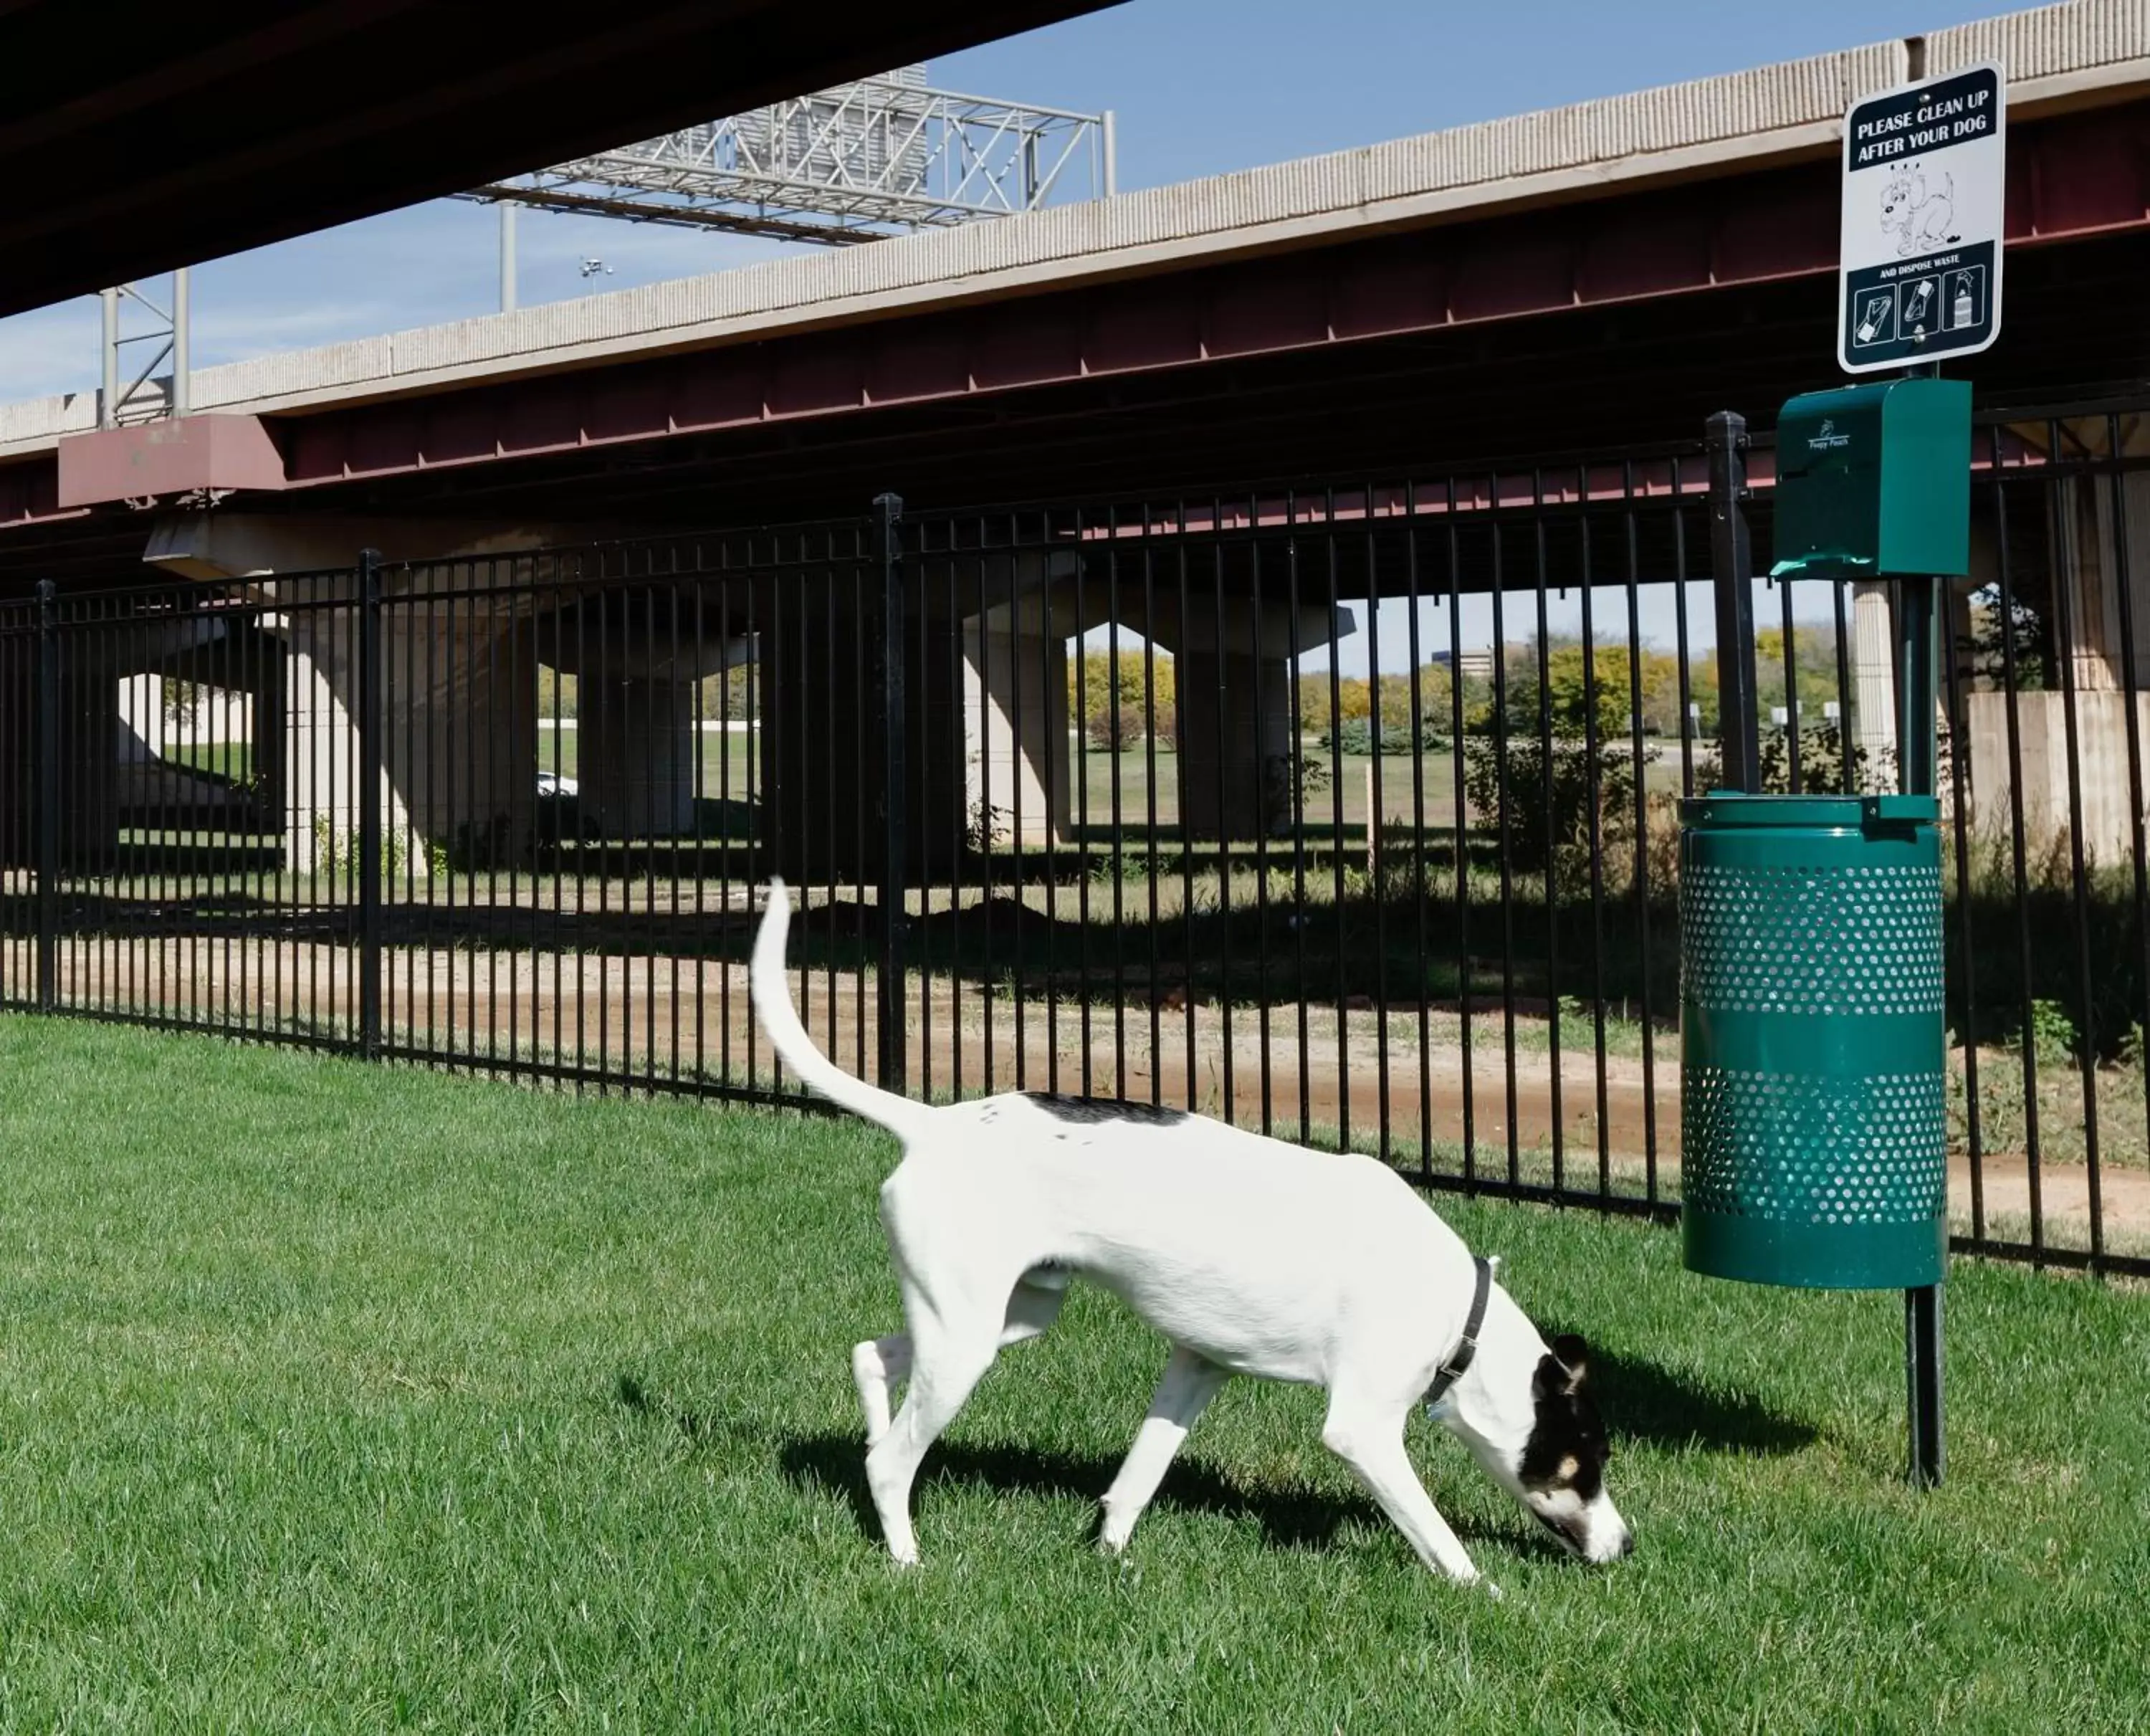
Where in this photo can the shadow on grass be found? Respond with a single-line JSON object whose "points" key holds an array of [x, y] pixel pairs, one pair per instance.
{"points": [[1645, 1403], [836, 1463], [1288, 1519]]}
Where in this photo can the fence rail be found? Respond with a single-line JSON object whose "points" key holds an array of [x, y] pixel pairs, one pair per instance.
{"points": [[1348, 813]]}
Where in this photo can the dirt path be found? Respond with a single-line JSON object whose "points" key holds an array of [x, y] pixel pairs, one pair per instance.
{"points": [[2064, 1201], [675, 1017]]}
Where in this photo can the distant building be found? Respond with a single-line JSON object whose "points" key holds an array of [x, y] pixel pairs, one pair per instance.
{"points": [[1471, 665]]}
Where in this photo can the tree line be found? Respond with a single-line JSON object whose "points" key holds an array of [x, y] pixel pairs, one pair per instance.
{"points": [[1604, 686], [1122, 702]]}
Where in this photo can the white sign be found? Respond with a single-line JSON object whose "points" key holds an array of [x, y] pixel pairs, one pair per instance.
{"points": [[1925, 181]]}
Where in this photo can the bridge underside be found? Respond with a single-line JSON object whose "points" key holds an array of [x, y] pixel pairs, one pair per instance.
{"points": [[1510, 346], [1590, 379], [191, 132]]}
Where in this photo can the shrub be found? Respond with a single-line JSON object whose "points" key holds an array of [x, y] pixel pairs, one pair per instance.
{"points": [[1114, 728], [1562, 784], [1357, 736], [1822, 767]]}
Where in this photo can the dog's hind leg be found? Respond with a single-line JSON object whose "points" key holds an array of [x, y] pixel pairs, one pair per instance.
{"points": [[1033, 1305], [878, 1364], [1371, 1442], [951, 1347], [1188, 1384]]}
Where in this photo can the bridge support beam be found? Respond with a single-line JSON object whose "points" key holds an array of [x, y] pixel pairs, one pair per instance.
{"points": [[459, 744], [1019, 767], [638, 750], [640, 658], [460, 672], [93, 745], [1232, 668], [1236, 777], [2099, 533], [1232, 672]]}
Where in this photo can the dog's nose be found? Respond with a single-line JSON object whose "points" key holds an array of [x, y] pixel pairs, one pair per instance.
{"points": [[1627, 1545]]}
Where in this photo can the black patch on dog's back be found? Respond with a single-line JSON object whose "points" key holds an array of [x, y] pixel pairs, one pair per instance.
{"points": [[1091, 1111]]}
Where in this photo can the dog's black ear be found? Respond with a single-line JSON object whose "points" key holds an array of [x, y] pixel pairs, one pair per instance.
{"points": [[1552, 1378], [1574, 1356]]}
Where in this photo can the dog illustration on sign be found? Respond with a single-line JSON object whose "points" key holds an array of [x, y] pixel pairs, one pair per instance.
{"points": [[1921, 218]]}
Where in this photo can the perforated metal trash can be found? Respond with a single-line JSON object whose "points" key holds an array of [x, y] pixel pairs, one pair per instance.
{"points": [[1813, 1114]]}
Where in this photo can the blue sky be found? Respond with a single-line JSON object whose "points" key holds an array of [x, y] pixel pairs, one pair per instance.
{"points": [[1200, 87]]}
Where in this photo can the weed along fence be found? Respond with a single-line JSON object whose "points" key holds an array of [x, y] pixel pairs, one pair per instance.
{"points": [[1349, 813]]}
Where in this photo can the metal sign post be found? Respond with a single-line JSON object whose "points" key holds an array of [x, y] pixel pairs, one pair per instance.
{"points": [[1919, 280], [1816, 1145], [1919, 266]]}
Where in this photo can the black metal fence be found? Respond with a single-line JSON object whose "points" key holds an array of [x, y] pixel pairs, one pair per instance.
{"points": [[1348, 814]]}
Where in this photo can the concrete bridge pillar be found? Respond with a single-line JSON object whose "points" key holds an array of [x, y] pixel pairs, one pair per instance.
{"points": [[1236, 774], [320, 795], [985, 704], [1238, 743], [459, 740], [460, 736], [638, 750], [96, 672], [142, 714], [89, 754], [821, 692], [1232, 670], [638, 658], [18, 782], [459, 731], [1018, 764], [89, 763], [2084, 531]]}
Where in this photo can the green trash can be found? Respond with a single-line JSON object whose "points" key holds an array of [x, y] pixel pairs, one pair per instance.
{"points": [[1813, 1114]]}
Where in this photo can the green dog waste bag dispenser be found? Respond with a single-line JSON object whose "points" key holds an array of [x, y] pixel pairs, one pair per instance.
{"points": [[1813, 1117]]}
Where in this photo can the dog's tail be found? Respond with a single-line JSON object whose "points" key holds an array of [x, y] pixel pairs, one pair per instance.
{"points": [[772, 1004]]}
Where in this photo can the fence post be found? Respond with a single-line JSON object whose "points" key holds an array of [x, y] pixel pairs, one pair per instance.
{"points": [[1732, 561], [371, 728], [47, 761], [888, 549]]}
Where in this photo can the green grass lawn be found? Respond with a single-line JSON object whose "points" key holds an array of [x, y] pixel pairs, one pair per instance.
{"points": [[725, 758], [232, 760], [348, 1398]]}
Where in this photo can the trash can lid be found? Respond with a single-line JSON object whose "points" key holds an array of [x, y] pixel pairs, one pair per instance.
{"points": [[1849, 813]]}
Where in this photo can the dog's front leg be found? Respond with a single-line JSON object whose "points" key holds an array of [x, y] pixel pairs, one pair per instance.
{"points": [[1373, 1445], [1188, 1384]]}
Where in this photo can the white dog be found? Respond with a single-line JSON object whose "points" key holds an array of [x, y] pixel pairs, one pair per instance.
{"points": [[1253, 1257]]}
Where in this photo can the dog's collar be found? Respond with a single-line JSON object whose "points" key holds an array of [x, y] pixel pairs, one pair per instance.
{"points": [[1466, 1347]]}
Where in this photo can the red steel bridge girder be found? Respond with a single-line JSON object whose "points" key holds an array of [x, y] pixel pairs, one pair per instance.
{"points": [[2074, 176], [2070, 177]]}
